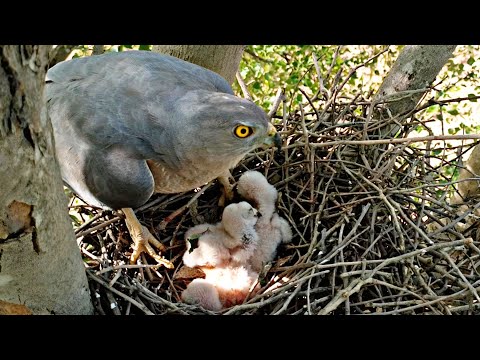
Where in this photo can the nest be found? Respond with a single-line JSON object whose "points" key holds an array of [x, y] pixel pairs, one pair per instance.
{"points": [[374, 230]]}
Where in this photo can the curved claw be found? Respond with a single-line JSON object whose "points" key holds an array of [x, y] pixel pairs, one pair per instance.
{"points": [[142, 244], [143, 240]]}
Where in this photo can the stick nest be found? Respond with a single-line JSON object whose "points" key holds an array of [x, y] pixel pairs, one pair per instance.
{"points": [[374, 230]]}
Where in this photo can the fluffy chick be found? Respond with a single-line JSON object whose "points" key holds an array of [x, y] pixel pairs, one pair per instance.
{"points": [[222, 287], [271, 228], [232, 239], [201, 292], [223, 252]]}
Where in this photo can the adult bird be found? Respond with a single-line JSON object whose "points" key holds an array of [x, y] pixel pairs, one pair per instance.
{"points": [[133, 123]]}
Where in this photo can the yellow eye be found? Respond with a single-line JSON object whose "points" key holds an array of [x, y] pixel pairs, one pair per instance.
{"points": [[243, 131]]}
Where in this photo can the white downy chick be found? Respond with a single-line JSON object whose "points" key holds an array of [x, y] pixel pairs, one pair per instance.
{"points": [[222, 287], [223, 252], [202, 293], [238, 221], [234, 238], [210, 250], [271, 228]]}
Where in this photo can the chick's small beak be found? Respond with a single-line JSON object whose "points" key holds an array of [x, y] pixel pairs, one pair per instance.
{"points": [[273, 138]]}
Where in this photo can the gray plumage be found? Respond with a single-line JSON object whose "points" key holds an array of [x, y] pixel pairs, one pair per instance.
{"points": [[112, 113]]}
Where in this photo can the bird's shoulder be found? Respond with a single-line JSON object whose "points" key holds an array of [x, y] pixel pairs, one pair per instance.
{"points": [[152, 68]]}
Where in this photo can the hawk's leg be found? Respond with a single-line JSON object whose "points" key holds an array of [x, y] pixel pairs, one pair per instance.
{"points": [[143, 240], [227, 189]]}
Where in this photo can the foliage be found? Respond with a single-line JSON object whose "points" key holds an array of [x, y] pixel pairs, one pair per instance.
{"points": [[267, 68], [87, 50]]}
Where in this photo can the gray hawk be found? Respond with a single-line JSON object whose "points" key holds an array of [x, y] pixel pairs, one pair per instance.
{"points": [[133, 123]]}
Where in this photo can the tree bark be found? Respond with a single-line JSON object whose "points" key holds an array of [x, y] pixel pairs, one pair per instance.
{"points": [[416, 68], [223, 59], [40, 263]]}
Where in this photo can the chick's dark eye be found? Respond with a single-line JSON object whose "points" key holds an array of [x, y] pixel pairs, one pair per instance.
{"points": [[243, 131]]}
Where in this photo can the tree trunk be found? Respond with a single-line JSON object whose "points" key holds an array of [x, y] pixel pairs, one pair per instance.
{"points": [[223, 59], [40, 264], [416, 68]]}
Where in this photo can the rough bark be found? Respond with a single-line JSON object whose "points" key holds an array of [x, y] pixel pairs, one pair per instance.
{"points": [[416, 68], [223, 59], [40, 264]]}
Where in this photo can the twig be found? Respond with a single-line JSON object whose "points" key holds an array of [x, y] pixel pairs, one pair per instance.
{"points": [[98, 227], [177, 212], [119, 267], [280, 97], [244, 88], [119, 293], [398, 141]]}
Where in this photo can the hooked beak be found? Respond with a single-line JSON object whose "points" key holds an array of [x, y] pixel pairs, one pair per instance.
{"points": [[273, 138]]}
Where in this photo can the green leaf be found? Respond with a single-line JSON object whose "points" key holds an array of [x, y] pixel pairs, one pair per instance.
{"points": [[75, 220], [472, 97], [453, 131], [145, 47], [453, 112], [470, 61]]}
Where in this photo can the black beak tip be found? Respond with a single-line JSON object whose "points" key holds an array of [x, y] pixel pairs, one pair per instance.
{"points": [[277, 140]]}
